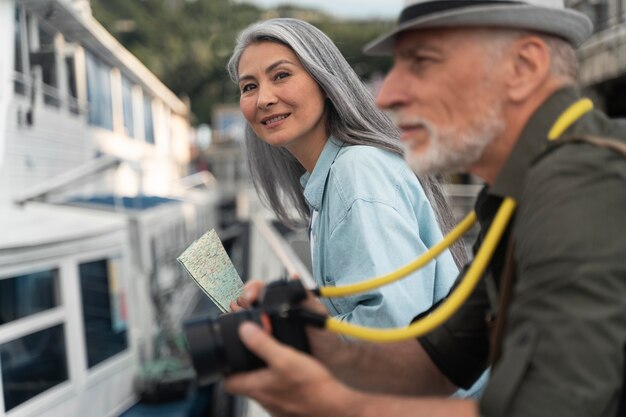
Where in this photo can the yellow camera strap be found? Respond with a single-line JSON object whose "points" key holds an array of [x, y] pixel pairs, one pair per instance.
{"points": [[456, 299]]}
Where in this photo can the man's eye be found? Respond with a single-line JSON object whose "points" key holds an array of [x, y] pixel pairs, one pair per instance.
{"points": [[419, 63]]}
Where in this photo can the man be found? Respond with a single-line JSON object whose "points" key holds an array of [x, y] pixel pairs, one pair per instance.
{"points": [[477, 86]]}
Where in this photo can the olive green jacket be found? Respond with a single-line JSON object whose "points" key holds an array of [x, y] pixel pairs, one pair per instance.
{"points": [[563, 349]]}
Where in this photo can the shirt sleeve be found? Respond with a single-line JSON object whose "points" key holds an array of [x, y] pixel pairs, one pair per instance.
{"points": [[373, 239], [564, 347]]}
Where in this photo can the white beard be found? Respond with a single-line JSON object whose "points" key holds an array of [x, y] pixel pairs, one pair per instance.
{"points": [[452, 150]]}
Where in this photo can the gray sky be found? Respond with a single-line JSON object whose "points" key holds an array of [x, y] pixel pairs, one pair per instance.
{"points": [[388, 9]]}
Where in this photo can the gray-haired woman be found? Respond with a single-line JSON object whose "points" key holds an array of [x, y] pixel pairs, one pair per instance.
{"points": [[317, 143]]}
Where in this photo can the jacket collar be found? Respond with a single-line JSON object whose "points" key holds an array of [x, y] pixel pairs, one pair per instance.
{"points": [[531, 144]]}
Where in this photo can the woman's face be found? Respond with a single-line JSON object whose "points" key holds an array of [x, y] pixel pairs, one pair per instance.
{"points": [[279, 99]]}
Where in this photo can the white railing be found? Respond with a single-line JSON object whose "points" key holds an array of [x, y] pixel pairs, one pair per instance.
{"points": [[271, 257], [28, 86]]}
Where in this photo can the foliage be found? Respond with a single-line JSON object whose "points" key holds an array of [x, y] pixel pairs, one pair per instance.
{"points": [[186, 43]]}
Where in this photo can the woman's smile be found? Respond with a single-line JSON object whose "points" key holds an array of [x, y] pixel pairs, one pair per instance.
{"points": [[274, 120]]}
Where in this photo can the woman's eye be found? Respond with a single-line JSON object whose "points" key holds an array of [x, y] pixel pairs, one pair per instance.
{"points": [[281, 75], [247, 87]]}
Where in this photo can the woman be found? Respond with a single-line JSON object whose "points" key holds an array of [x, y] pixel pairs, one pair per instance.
{"points": [[317, 143], [320, 152]]}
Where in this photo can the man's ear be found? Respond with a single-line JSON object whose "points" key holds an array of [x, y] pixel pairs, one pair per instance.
{"points": [[529, 67]]}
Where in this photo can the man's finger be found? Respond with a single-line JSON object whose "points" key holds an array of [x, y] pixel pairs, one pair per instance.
{"points": [[262, 344]]}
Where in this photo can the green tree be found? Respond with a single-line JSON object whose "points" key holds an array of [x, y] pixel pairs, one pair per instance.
{"points": [[186, 43]]}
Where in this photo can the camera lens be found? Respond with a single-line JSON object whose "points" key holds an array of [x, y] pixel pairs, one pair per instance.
{"points": [[215, 347]]}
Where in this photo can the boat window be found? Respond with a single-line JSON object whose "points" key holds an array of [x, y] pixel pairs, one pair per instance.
{"points": [[45, 57], [70, 66], [127, 107], [104, 310], [19, 82], [99, 92], [33, 364], [24, 295], [147, 118]]}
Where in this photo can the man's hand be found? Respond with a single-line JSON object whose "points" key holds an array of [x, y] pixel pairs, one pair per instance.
{"points": [[397, 368], [296, 385], [323, 344], [293, 383]]}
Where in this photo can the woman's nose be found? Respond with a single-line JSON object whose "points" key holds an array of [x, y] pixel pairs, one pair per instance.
{"points": [[266, 97]]}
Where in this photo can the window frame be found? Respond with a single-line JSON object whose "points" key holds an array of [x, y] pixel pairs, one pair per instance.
{"points": [[102, 71], [124, 289], [69, 314], [148, 119], [42, 320]]}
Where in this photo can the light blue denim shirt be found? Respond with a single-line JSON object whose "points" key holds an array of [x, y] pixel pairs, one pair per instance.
{"points": [[370, 217], [373, 217]]}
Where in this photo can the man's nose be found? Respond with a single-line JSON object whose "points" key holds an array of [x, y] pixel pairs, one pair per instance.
{"points": [[266, 97], [393, 92]]}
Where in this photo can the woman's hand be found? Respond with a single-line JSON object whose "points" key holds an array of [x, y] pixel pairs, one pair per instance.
{"points": [[252, 291]]}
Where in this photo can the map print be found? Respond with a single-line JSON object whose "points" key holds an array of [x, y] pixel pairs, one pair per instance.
{"points": [[208, 264]]}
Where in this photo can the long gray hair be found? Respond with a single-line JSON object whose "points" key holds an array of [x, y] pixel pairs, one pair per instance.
{"points": [[353, 118]]}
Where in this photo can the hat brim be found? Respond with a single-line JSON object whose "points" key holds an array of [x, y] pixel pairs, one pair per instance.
{"points": [[571, 25]]}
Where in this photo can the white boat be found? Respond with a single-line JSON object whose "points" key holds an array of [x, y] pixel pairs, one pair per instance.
{"points": [[94, 209], [95, 206]]}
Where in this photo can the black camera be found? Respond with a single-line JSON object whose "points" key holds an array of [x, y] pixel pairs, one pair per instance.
{"points": [[215, 347]]}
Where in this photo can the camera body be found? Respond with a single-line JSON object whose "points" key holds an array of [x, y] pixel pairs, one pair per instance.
{"points": [[215, 347]]}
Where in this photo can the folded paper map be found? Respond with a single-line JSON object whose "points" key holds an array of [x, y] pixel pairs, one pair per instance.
{"points": [[208, 264]]}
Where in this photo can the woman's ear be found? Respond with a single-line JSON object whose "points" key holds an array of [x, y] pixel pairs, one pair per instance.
{"points": [[529, 67]]}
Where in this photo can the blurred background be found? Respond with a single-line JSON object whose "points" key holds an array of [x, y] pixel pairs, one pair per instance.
{"points": [[120, 144]]}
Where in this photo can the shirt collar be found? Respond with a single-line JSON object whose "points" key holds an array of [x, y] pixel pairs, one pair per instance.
{"points": [[532, 142], [315, 182]]}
